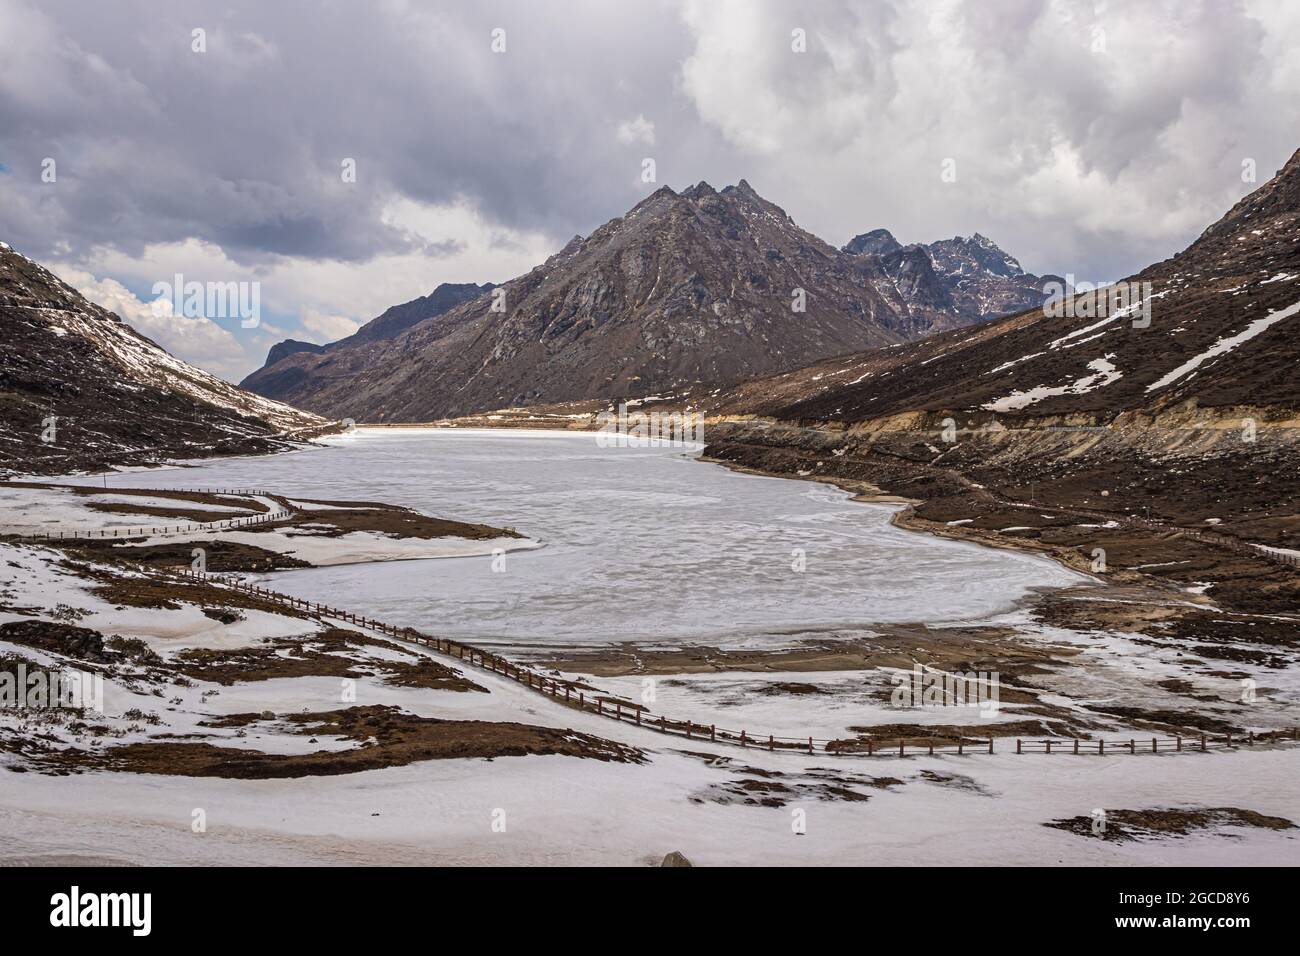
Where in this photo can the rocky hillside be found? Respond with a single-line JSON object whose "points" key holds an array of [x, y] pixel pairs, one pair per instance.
{"points": [[79, 389], [1177, 410], [392, 323], [953, 282], [1214, 325], [690, 289]]}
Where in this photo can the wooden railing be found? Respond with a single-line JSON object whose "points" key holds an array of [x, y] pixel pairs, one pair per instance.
{"points": [[267, 517], [573, 695]]}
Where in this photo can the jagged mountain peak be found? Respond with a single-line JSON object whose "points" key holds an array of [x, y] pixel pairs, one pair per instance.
{"points": [[877, 242], [692, 286], [976, 254]]}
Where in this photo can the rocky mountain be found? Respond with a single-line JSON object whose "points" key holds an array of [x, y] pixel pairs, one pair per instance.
{"points": [[690, 289], [1173, 396], [687, 288], [391, 323], [954, 282], [79, 389], [273, 380], [1214, 325]]}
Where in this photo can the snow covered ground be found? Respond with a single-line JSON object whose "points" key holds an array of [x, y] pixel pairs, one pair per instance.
{"points": [[977, 809], [37, 510], [646, 545]]}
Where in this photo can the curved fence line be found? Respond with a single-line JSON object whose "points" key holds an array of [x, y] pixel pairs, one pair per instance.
{"points": [[226, 524], [575, 695]]}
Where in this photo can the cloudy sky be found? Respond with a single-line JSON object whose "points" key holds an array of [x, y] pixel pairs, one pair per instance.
{"points": [[1086, 137]]}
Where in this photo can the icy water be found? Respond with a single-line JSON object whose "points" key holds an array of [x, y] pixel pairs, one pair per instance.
{"points": [[641, 545]]}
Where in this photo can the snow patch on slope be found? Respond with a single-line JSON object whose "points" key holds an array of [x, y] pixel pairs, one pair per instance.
{"points": [[1224, 345], [1104, 373]]}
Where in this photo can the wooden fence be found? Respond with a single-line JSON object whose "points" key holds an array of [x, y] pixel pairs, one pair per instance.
{"points": [[574, 695], [165, 530], [1223, 541]]}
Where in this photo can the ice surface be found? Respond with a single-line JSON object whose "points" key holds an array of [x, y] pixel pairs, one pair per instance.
{"points": [[640, 544]]}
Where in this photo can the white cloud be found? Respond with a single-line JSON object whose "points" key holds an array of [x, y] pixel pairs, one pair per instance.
{"points": [[639, 130], [196, 340], [327, 328], [1095, 163], [317, 300], [1092, 162]]}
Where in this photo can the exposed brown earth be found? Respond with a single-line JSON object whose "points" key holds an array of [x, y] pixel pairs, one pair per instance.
{"points": [[386, 736], [177, 514], [1127, 825], [220, 556], [323, 654], [385, 519], [896, 646]]}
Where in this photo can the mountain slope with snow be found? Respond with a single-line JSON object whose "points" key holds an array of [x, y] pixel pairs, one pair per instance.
{"points": [[1216, 325], [688, 290], [80, 389]]}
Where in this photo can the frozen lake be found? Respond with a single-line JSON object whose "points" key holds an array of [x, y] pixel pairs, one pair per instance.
{"points": [[642, 545]]}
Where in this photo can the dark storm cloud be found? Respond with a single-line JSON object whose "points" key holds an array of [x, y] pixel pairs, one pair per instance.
{"points": [[1090, 137], [242, 145]]}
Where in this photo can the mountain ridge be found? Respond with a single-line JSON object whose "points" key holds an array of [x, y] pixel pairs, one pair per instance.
{"points": [[689, 288], [80, 389]]}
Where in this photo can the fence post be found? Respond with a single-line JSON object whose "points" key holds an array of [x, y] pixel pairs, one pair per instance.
{"points": [[990, 743], [810, 745], [900, 746], [1132, 746], [1153, 745], [1017, 745], [742, 738], [870, 747], [1049, 746], [771, 744]]}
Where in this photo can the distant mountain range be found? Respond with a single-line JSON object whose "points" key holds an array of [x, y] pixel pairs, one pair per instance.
{"points": [[79, 389], [277, 377], [1222, 332], [954, 282], [698, 288]]}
